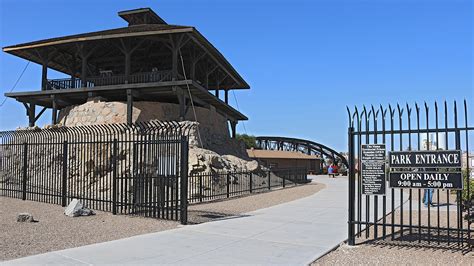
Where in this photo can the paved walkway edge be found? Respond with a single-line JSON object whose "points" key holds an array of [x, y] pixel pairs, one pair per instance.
{"points": [[292, 233]]}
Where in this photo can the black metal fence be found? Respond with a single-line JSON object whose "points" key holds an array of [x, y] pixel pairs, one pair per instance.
{"points": [[398, 214], [213, 186], [138, 169]]}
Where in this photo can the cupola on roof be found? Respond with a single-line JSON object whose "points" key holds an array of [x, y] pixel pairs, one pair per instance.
{"points": [[141, 16]]}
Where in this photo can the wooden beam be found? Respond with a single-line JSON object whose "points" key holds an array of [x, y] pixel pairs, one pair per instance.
{"points": [[175, 46], [129, 106], [40, 113], [213, 57], [195, 59], [84, 54]]}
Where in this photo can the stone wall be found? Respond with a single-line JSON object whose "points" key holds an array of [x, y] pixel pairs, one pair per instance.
{"points": [[213, 127]]}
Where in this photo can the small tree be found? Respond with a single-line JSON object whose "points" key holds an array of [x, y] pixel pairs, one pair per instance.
{"points": [[250, 141]]}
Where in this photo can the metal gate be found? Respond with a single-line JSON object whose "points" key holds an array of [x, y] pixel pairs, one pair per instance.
{"points": [[156, 185], [384, 208]]}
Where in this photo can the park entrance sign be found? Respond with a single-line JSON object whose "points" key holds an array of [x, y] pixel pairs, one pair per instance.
{"points": [[420, 152], [422, 159], [426, 169]]}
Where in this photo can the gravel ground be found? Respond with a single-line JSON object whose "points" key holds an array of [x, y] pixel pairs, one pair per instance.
{"points": [[410, 251], [199, 213], [368, 254], [55, 231]]}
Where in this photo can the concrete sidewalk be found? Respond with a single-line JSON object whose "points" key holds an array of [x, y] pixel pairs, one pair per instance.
{"points": [[293, 233]]}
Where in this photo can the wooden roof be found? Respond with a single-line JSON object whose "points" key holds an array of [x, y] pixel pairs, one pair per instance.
{"points": [[64, 46], [130, 31]]}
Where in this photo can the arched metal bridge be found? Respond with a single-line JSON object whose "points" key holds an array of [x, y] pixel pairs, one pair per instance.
{"points": [[299, 145]]}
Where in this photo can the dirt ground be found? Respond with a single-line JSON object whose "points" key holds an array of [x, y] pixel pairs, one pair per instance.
{"points": [[55, 231]]}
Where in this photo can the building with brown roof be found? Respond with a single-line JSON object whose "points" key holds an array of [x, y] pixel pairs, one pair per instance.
{"points": [[286, 159]]}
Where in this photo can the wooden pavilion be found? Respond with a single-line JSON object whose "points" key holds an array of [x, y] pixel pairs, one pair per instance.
{"points": [[147, 60]]}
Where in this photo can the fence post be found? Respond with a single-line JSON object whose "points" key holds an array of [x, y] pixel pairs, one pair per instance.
{"points": [[269, 179], [25, 169], [200, 188], [250, 182], [184, 180], [351, 207], [228, 184], [285, 178], [64, 181], [114, 177]]}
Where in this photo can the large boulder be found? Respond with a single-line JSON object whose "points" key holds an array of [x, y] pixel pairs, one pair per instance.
{"points": [[202, 160], [76, 208]]}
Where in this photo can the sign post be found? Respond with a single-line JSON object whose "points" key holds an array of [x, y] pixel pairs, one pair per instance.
{"points": [[373, 169]]}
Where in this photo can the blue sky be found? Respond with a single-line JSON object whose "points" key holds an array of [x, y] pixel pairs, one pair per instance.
{"points": [[304, 60]]}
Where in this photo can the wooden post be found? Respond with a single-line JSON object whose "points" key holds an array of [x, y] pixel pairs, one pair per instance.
{"points": [[174, 67], [182, 102], [54, 112], [44, 76], [73, 81], [84, 72], [226, 96], [31, 115], [72, 68], [217, 86], [128, 56], [129, 106]]}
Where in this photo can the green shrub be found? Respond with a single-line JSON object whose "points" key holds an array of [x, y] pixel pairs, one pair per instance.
{"points": [[250, 141], [465, 198]]}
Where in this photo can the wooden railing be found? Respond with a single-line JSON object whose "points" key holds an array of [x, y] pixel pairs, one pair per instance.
{"points": [[156, 76], [56, 84]]}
